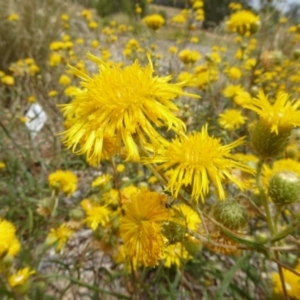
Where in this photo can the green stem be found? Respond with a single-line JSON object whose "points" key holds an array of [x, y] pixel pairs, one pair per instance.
{"points": [[263, 196]]}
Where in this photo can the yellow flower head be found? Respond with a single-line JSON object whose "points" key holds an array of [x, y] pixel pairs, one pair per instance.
{"points": [[64, 80], [154, 21], [66, 181], [185, 216], [13, 17], [9, 244], [188, 56], [52, 93], [121, 104], [244, 22], [199, 159], [291, 282], [231, 119], [8, 80], [59, 236], [282, 115], [96, 215], [175, 254], [20, 277], [179, 19], [102, 180], [140, 227]]}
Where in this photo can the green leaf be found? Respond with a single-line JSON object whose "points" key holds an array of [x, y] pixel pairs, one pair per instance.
{"points": [[228, 277]]}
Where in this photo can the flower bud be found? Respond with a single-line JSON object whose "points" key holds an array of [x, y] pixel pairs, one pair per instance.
{"points": [[284, 188], [76, 214], [231, 214], [296, 53], [266, 143], [192, 245]]}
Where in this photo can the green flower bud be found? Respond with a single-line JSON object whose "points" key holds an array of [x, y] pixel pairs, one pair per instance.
{"points": [[296, 53], [254, 27], [266, 143], [231, 214], [192, 245], [284, 188], [76, 214]]}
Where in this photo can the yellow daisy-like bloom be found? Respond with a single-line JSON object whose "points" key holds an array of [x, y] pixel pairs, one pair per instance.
{"points": [[282, 115], [102, 180], [97, 215], [188, 56], [185, 216], [175, 254], [231, 119], [154, 21], [291, 282], [59, 236], [9, 244], [243, 22], [179, 19], [140, 227], [2, 165], [64, 80], [20, 277], [234, 73], [197, 160], [66, 181], [121, 104], [8, 80], [13, 17]]}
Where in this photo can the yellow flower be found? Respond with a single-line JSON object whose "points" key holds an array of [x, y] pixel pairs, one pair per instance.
{"points": [[93, 24], [66, 181], [179, 19], [154, 21], [2, 165], [121, 104], [52, 93], [64, 17], [199, 159], [95, 43], [291, 282], [231, 119], [8, 241], [64, 80], [59, 236], [234, 73], [31, 99], [13, 17], [20, 277], [96, 214], [175, 254], [54, 59], [243, 22], [138, 9], [140, 227], [172, 49], [185, 216], [282, 115], [102, 180], [189, 56], [8, 80], [120, 168]]}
